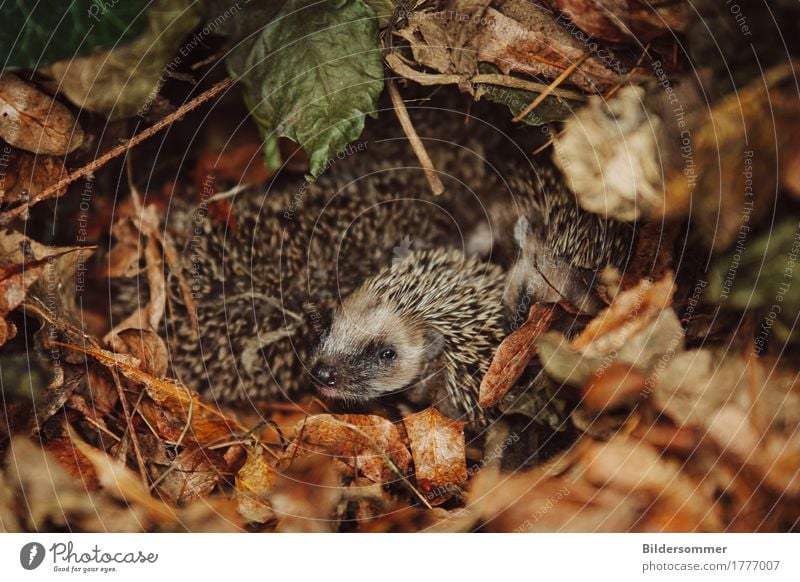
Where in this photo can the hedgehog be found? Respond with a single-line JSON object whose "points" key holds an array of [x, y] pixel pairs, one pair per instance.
{"points": [[557, 249], [266, 277], [423, 329]]}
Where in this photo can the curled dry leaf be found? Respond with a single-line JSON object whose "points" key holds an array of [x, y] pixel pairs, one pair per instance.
{"points": [[25, 262], [610, 387], [609, 155], [514, 354], [371, 444], [147, 347], [42, 495], [666, 151], [74, 461], [33, 121], [254, 482], [437, 445], [523, 38], [631, 313]]}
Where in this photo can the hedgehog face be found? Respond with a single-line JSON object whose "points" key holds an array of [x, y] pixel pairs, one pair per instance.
{"points": [[371, 350]]}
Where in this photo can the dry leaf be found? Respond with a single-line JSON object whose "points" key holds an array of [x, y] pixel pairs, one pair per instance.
{"points": [[192, 475], [23, 263], [625, 21], [27, 175], [373, 445], [617, 385], [147, 347], [632, 468], [437, 445], [637, 330], [74, 461], [529, 40], [630, 317], [514, 354], [33, 121], [254, 482], [124, 81], [305, 496], [180, 412]]}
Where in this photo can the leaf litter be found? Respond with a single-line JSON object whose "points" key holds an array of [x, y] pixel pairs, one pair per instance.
{"points": [[669, 429]]}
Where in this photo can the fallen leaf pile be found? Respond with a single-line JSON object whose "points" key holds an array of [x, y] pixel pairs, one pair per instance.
{"points": [[675, 409]]}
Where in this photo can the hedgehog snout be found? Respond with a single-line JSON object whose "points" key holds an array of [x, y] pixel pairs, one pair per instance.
{"points": [[325, 374]]}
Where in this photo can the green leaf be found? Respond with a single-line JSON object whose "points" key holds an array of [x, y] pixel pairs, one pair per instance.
{"points": [[384, 9], [125, 81], [36, 33], [312, 74], [760, 273]]}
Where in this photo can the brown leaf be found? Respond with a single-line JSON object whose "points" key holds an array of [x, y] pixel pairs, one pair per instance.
{"points": [[180, 412], [527, 40], [514, 354], [632, 468], [62, 268], [373, 445], [23, 262], [254, 482], [147, 347], [45, 496], [125, 80], [625, 21], [123, 258], [13, 289], [28, 175], [628, 315], [74, 461], [637, 330], [306, 494], [192, 475], [613, 386], [437, 445], [33, 121]]}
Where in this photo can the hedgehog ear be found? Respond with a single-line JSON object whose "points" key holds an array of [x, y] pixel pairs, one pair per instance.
{"points": [[521, 231], [434, 343]]}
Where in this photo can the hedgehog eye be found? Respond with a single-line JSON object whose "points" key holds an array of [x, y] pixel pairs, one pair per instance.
{"points": [[388, 354]]}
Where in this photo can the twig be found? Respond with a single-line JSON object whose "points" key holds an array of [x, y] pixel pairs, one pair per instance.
{"points": [[129, 422], [416, 144], [119, 150], [554, 85], [610, 92]]}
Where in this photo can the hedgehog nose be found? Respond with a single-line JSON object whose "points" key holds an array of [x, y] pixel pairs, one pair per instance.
{"points": [[325, 374]]}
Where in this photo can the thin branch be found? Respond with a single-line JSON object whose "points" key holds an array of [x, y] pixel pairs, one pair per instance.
{"points": [[416, 144], [118, 151]]}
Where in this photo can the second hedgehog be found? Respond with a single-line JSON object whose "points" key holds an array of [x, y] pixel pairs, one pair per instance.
{"points": [[425, 328]]}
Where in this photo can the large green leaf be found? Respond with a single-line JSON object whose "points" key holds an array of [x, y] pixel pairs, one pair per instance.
{"points": [[312, 74], [35, 33]]}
